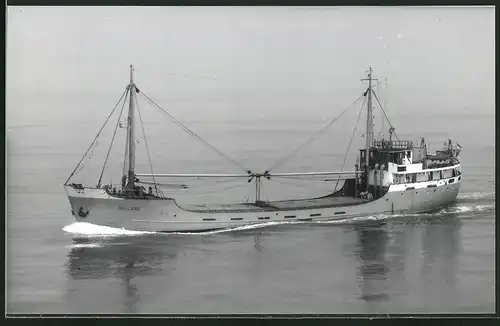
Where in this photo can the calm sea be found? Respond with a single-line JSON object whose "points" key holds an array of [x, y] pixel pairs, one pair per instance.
{"points": [[426, 263]]}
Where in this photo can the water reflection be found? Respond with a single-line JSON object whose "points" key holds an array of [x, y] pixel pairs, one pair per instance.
{"points": [[122, 258], [257, 243], [440, 249], [373, 269]]}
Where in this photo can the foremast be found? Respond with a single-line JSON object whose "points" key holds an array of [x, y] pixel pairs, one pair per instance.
{"points": [[130, 143]]}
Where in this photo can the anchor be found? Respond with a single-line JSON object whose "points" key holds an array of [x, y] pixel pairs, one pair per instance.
{"points": [[82, 212]]}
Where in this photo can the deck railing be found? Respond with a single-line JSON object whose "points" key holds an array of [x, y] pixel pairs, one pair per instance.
{"points": [[396, 144]]}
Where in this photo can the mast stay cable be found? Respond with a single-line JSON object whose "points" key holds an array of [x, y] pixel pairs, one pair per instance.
{"points": [[390, 124], [191, 133], [112, 141], [350, 142], [385, 100], [97, 136], [146, 143], [286, 157]]}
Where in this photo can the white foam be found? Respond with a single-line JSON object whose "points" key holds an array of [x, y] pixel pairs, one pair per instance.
{"points": [[84, 245], [476, 195], [484, 207], [463, 209], [367, 218], [455, 209], [239, 228], [89, 229]]}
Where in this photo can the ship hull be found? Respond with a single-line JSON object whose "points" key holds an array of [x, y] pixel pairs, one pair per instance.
{"points": [[165, 215]]}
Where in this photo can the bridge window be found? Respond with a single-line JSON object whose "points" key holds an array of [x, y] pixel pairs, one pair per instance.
{"points": [[421, 177], [401, 168], [447, 173]]}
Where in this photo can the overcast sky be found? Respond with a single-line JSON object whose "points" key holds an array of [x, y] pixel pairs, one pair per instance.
{"points": [[445, 54]]}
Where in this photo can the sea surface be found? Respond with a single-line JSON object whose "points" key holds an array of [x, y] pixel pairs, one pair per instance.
{"points": [[441, 262]]}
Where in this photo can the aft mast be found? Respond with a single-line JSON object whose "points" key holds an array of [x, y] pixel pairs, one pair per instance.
{"points": [[369, 122], [130, 143]]}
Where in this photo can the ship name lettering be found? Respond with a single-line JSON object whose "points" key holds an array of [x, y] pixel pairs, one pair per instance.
{"points": [[133, 208]]}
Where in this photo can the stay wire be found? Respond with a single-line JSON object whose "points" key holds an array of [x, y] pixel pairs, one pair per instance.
{"points": [[283, 159], [390, 124], [146, 143], [97, 136], [193, 134], [112, 140], [385, 98], [350, 142]]}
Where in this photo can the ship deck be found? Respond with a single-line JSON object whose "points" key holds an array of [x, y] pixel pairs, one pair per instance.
{"points": [[282, 205]]}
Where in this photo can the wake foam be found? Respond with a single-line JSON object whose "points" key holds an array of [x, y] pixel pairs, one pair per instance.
{"points": [[92, 230], [476, 195], [238, 228], [456, 209], [359, 219], [485, 207], [84, 245]]}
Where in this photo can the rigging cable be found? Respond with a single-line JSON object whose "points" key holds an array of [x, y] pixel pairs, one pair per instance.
{"points": [[385, 101], [191, 133], [376, 97], [350, 142], [283, 159], [72, 173], [146, 143], [112, 140], [170, 185]]}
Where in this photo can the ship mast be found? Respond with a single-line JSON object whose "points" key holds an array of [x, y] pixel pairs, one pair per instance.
{"points": [[369, 122], [130, 133]]}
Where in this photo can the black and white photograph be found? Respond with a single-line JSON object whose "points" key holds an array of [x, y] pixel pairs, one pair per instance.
{"points": [[226, 160]]}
